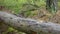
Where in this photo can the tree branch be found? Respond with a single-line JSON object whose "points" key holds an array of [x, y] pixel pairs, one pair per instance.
{"points": [[29, 25]]}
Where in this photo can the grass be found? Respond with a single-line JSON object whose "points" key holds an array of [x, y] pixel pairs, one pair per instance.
{"points": [[16, 5]]}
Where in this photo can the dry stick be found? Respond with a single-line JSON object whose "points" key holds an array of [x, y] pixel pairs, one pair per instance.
{"points": [[29, 25]]}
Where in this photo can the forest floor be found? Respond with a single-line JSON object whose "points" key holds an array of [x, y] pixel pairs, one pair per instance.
{"points": [[46, 16], [43, 14]]}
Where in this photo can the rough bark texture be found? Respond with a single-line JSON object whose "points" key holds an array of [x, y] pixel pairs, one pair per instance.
{"points": [[29, 25], [52, 6]]}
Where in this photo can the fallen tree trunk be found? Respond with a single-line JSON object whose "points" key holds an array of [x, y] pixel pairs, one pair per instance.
{"points": [[29, 25]]}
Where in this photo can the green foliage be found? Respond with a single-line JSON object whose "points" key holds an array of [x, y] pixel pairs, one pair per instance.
{"points": [[40, 3], [16, 5], [13, 5], [27, 13]]}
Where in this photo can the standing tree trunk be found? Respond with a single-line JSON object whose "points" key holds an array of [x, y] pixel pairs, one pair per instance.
{"points": [[51, 6]]}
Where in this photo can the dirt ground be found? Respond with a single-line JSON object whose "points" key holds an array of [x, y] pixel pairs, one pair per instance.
{"points": [[46, 16], [56, 18]]}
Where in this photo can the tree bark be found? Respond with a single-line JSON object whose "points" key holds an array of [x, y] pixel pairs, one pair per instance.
{"points": [[52, 6], [28, 25]]}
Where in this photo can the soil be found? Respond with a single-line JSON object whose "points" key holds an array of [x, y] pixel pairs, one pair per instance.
{"points": [[46, 16], [56, 18]]}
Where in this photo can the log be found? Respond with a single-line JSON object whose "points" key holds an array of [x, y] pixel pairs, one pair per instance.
{"points": [[28, 25]]}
